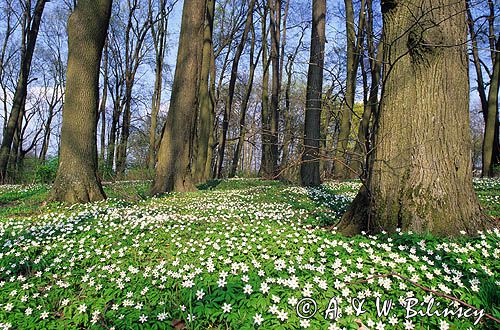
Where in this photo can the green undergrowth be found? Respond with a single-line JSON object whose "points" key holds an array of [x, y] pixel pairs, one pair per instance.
{"points": [[236, 254]]}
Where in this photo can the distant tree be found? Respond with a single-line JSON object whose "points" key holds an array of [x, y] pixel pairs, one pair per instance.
{"points": [[137, 26], [30, 27], [159, 23], [489, 101], [420, 175], [354, 47], [370, 94], [309, 171], [173, 171], [232, 86], [76, 179]]}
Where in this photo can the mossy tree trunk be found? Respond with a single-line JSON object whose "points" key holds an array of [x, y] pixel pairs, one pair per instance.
{"points": [[173, 170], [420, 177], [77, 179], [309, 169]]}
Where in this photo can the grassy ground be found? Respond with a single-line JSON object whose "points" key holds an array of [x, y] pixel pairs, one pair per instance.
{"points": [[237, 254]]}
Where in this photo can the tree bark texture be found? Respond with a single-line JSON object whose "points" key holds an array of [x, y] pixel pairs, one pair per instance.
{"points": [[76, 179], [309, 169], [421, 172], [173, 170]]}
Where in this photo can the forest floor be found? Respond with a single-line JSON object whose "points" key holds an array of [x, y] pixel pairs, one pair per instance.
{"points": [[237, 254]]}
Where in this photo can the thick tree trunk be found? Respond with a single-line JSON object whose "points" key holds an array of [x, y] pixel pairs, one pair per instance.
{"points": [[77, 179], [309, 169], [173, 168], [421, 173], [206, 105], [492, 117], [21, 87]]}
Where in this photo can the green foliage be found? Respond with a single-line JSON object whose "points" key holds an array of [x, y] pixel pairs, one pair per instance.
{"points": [[217, 258], [46, 172]]}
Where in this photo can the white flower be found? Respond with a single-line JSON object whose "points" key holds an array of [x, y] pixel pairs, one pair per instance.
{"points": [[44, 315], [273, 309], [282, 315], [247, 289], [82, 308], [258, 319], [409, 325], [264, 288], [200, 294], [143, 318], [443, 325], [226, 308], [304, 323]]}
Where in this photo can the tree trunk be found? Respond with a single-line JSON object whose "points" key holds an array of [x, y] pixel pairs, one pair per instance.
{"points": [[121, 151], [232, 87], [477, 63], [211, 136], [173, 168], [206, 106], [104, 98], [362, 146], [354, 46], [420, 176], [160, 45], [266, 166], [309, 169], [110, 158], [492, 117], [76, 179], [244, 106], [21, 87], [275, 14]]}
